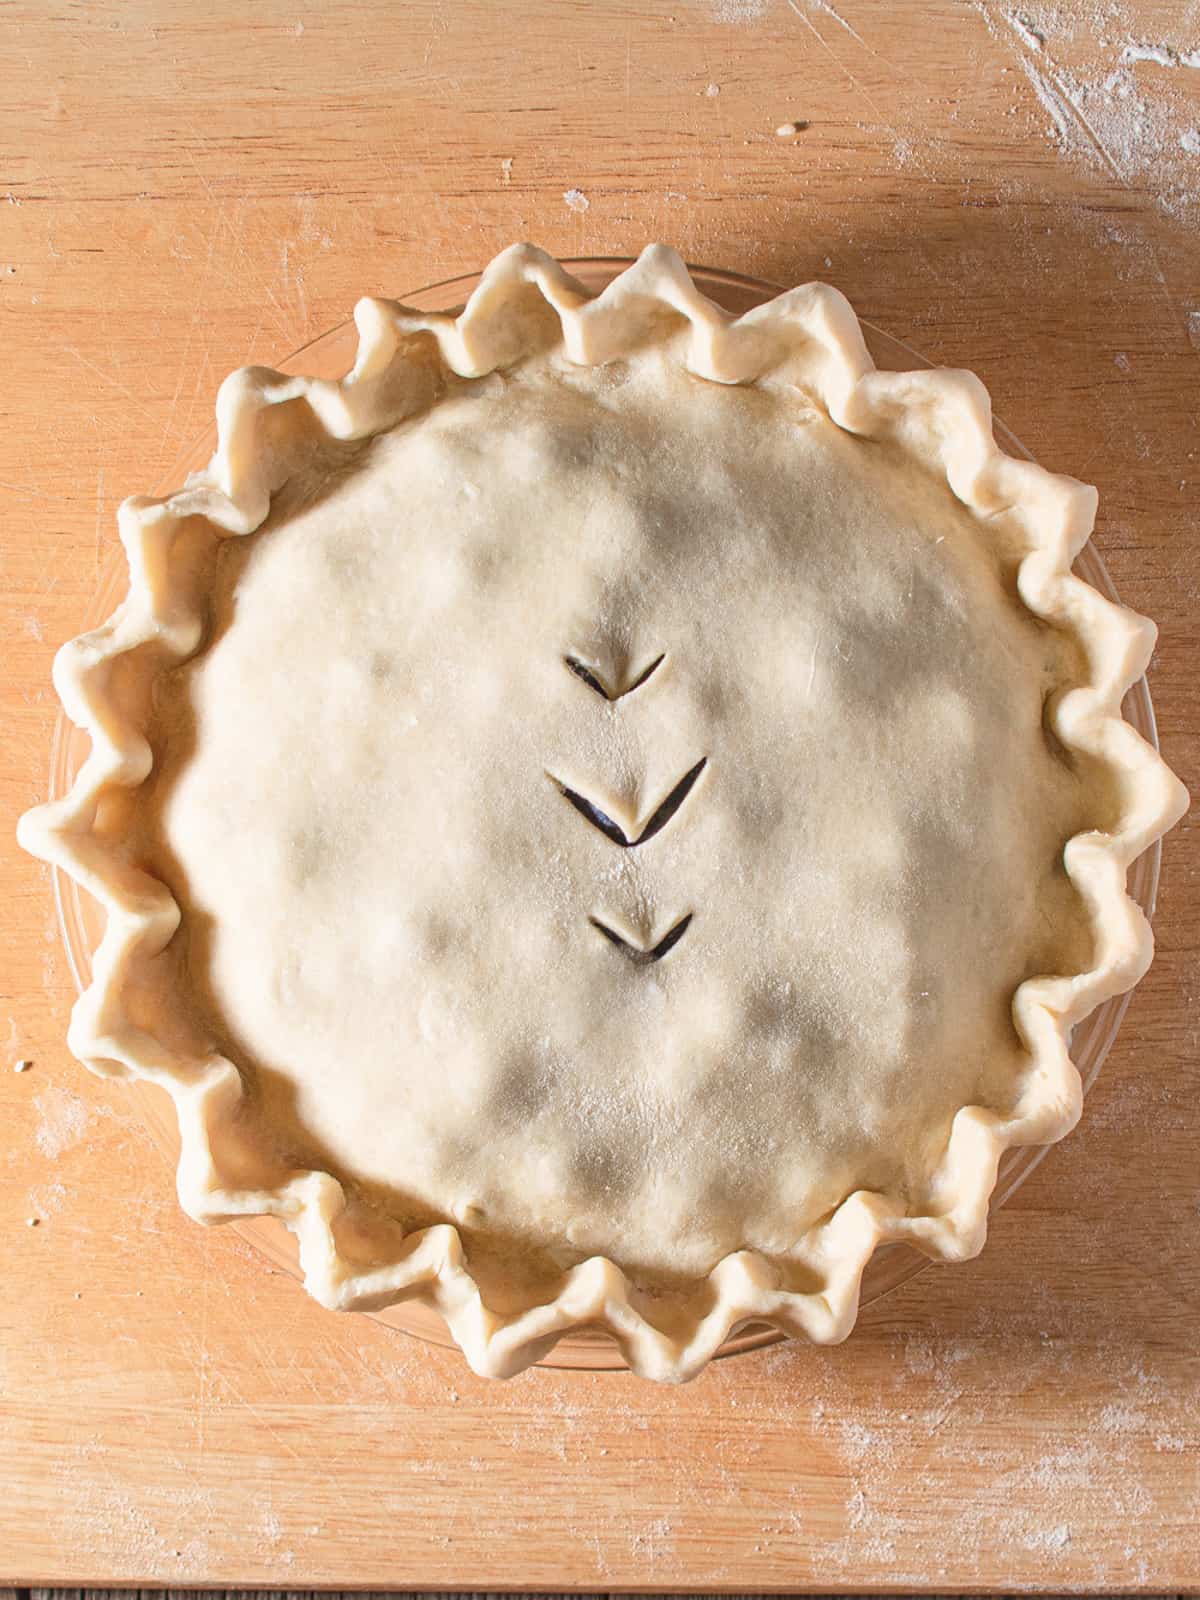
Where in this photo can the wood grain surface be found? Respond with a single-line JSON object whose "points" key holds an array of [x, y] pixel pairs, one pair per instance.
{"points": [[186, 188], [368, 1594], [378, 1594]]}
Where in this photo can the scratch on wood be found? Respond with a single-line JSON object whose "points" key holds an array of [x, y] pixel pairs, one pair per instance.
{"points": [[99, 517], [108, 378], [841, 66]]}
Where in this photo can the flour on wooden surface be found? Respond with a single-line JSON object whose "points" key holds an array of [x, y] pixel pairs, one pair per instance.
{"points": [[63, 1117], [949, 1390], [1114, 102], [45, 1200], [734, 11], [1025, 31]]}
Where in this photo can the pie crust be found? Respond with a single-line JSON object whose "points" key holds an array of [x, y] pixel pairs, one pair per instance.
{"points": [[608, 813]]}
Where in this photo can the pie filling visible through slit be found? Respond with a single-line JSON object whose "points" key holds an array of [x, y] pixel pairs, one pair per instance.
{"points": [[587, 808]]}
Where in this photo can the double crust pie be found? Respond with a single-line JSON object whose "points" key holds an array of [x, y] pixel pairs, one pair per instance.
{"points": [[607, 813]]}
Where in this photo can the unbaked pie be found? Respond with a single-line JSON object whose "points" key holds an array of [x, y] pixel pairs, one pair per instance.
{"points": [[607, 813]]}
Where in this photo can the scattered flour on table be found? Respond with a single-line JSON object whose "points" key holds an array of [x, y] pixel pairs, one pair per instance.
{"points": [[270, 1531], [652, 1540], [1161, 54], [1025, 31], [1114, 101], [62, 1120], [576, 200], [1056, 1538], [735, 11], [1051, 1493], [162, 1532], [45, 1200], [1121, 1419]]}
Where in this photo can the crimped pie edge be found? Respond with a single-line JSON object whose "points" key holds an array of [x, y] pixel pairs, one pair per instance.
{"points": [[944, 418]]}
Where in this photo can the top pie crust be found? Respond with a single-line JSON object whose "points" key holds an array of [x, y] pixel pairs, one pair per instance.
{"points": [[607, 813]]}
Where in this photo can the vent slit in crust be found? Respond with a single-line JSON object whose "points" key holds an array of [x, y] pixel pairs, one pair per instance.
{"points": [[637, 953]]}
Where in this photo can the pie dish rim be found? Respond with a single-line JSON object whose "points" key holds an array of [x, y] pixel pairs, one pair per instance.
{"points": [[488, 1353]]}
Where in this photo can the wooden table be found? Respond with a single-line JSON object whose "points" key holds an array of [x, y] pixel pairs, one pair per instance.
{"points": [[185, 188]]}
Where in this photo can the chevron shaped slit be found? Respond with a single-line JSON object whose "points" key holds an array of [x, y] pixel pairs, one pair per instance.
{"points": [[657, 822], [639, 953], [587, 675]]}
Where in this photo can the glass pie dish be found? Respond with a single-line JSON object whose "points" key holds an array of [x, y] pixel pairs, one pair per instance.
{"points": [[81, 918]]}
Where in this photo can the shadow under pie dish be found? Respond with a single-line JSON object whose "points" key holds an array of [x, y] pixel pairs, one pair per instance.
{"points": [[607, 813]]}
